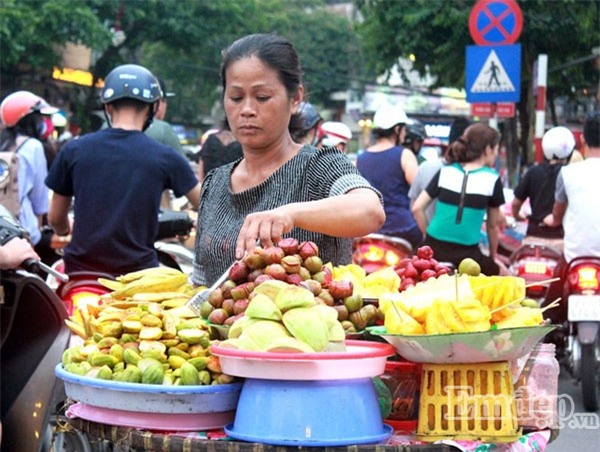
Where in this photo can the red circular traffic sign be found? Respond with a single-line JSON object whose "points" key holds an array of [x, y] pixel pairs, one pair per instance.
{"points": [[495, 22]]}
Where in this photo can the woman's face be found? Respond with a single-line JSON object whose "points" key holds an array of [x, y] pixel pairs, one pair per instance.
{"points": [[491, 154], [257, 104]]}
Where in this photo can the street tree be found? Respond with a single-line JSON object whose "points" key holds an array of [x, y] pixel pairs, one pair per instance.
{"points": [[33, 31], [326, 42], [180, 41], [436, 32]]}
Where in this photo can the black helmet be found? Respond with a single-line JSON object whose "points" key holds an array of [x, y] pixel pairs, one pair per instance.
{"points": [[130, 81], [309, 116], [415, 131]]}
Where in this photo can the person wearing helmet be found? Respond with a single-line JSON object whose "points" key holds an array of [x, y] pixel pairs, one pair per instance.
{"points": [[305, 128], [21, 114], [576, 208], [415, 136], [116, 176], [161, 130], [538, 185], [391, 169], [335, 134]]}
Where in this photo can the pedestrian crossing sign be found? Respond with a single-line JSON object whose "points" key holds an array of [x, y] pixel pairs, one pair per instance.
{"points": [[493, 73]]}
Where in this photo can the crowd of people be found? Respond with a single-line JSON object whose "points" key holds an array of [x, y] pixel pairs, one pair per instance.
{"points": [[273, 169]]}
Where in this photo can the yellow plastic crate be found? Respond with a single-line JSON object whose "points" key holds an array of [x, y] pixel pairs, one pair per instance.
{"points": [[472, 401]]}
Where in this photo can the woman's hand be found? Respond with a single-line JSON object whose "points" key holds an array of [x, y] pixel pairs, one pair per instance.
{"points": [[265, 227], [335, 216], [15, 252]]}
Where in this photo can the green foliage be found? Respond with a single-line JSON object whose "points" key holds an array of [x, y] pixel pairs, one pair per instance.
{"points": [[436, 32], [180, 41], [327, 45], [32, 30]]}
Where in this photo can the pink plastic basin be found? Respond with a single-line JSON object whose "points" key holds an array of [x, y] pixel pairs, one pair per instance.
{"points": [[361, 359]]}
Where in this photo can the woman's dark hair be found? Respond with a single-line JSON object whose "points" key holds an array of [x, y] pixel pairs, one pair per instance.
{"points": [[30, 126], [386, 133], [472, 143], [274, 51]]}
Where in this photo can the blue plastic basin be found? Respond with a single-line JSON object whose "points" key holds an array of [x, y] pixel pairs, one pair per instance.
{"points": [[309, 413]]}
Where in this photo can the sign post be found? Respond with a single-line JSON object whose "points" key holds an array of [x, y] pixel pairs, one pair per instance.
{"points": [[540, 105], [493, 72]]}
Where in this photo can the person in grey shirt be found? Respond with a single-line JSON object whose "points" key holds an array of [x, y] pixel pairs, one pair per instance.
{"points": [[279, 188], [161, 130]]}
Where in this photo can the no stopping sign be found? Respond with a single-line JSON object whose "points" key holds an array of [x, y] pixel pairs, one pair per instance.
{"points": [[495, 22]]}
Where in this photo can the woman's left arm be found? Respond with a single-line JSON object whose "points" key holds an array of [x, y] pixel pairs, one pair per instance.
{"points": [[493, 228], [356, 213]]}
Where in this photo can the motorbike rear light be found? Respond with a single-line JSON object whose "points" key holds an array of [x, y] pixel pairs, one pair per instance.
{"points": [[585, 277], [536, 268], [78, 299], [373, 253], [391, 258]]}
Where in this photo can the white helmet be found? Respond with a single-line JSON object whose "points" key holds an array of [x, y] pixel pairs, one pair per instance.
{"points": [[388, 116], [558, 143], [335, 132]]}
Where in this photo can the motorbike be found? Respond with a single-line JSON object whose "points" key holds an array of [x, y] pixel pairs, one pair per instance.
{"points": [[579, 343], [173, 227], [33, 339], [536, 264], [376, 251], [511, 236]]}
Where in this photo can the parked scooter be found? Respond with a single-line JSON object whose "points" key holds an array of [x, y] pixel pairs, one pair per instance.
{"points": [[33, 339], [376, 251], [536, 264], [578, 344], [173, 228]]}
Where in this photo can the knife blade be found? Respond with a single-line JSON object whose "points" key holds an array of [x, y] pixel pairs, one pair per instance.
{"points": [[201, 297]]}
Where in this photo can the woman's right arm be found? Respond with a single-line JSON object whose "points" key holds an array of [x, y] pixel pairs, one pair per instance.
{"points": [[354, 214], [418, 210], [493, 229]]}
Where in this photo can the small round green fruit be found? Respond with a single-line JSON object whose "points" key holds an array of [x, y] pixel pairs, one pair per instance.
{"points": [[469, 267]]}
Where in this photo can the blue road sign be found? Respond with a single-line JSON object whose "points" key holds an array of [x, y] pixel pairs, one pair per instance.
{"points": [[493, 73], [495, 22]]}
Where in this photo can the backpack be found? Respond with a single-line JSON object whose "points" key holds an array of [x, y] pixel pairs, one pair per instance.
{"points": [[9, 186]]}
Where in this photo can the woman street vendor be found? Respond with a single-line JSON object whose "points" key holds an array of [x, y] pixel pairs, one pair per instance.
{"points": [[279, 187]]}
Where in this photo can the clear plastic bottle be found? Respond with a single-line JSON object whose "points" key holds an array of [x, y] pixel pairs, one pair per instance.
{"points": [[536, 390]]}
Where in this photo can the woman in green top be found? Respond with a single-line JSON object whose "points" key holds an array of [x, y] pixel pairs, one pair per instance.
{"points": [[466, 190]]}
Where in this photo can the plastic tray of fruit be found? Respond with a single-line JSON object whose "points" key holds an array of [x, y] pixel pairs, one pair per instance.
{"points": [[148, 398], [485, 346], [362, 359], [177, 422]]}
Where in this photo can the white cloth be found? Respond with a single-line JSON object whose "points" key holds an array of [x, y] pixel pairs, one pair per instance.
{"points": [[579, 185]]}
